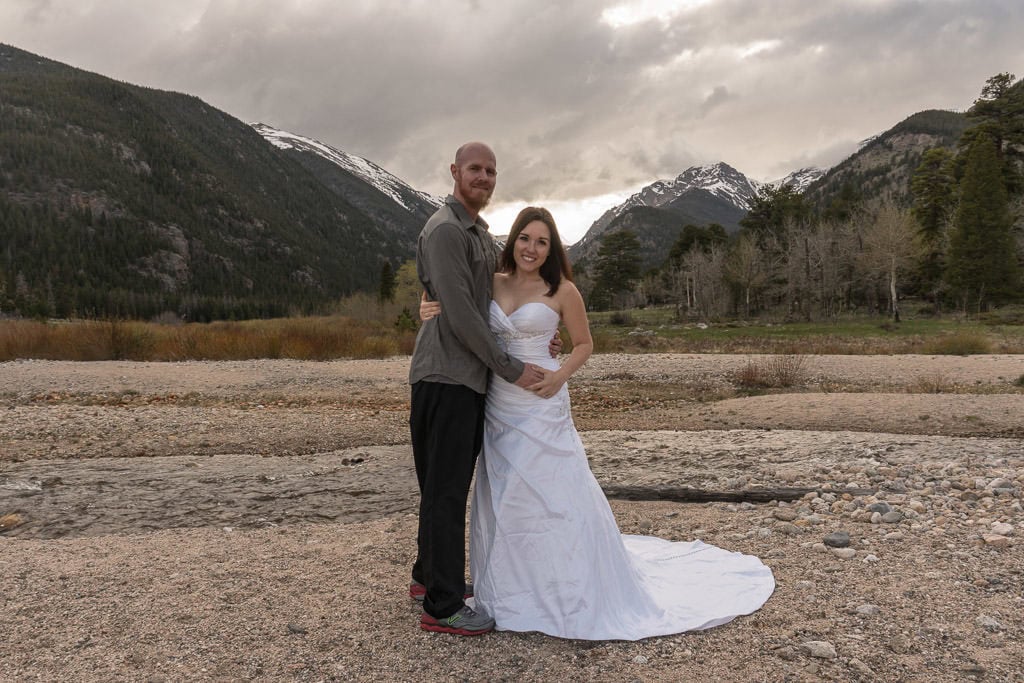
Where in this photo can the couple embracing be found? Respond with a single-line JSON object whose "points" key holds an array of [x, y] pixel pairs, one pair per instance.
{"points": [[545, 552]]}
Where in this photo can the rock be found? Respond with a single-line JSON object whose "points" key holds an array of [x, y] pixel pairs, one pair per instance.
{"points": [[822, 649], [894, 536], [988, 623], [996, 540], [1000, 483], [871, 558], [639, 659], [296, 629], [844, 553], [1002, 529], [861, 668], [892, 517], [787, 653], [868, 610], [787, 528], [876, 517], [880, 507], [837, 539], [784, 514]]}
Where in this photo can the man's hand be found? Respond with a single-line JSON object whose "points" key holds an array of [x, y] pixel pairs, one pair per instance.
{"points": [[531, 375], [549, 386], [554, 346], [428, 308]]}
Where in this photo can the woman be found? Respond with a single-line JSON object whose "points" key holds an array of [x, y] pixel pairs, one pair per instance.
{"points": [[545, 551]]}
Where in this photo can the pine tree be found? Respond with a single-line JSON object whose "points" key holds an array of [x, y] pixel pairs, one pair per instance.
{"points": [[617, 268], [982, 268], [387, 283], [999, 115], [934, 189]]}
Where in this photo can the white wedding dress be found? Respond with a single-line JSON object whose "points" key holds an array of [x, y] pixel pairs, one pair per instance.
{"points": [[545, 552]]}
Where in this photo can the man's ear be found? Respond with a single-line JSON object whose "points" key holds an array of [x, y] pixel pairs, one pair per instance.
{"points": [[454, 168]]}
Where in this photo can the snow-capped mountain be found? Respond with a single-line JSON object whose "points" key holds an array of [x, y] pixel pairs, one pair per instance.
{"points": [[385, 182], [800, 179], [387, 200], [715, 193], [721, 180]]}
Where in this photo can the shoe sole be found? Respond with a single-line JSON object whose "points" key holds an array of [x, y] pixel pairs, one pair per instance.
{"points": [[439, 628]]}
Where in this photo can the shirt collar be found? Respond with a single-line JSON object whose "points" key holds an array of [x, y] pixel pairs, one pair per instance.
{"points": [[463, 215]]}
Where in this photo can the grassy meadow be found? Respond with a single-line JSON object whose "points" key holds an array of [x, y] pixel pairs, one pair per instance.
{"points": [[368, 330]]}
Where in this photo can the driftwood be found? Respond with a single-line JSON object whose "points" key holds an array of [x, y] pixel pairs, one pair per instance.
{"points": [[684, 494]]}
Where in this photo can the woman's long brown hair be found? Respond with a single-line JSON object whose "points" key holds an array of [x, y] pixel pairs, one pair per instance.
{"points": [[556, 266]]}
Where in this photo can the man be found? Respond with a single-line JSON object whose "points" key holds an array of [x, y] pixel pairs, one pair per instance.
{"points": [[455, 261]]}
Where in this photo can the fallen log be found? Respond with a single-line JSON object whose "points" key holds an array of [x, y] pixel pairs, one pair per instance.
{"points": [[684, 494]]}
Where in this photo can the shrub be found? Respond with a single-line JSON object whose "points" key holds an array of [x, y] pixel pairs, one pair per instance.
{"points": [[621, 318], [777, 372], [933, 383], [960, 344]]}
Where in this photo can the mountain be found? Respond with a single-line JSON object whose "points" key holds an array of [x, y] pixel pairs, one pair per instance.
{"points": [[120, 200], [801, 179], [385, 198], [885, 163], [699, 195]]}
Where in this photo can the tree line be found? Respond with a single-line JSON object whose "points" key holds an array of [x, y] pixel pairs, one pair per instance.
{"points": [[959, 244]]}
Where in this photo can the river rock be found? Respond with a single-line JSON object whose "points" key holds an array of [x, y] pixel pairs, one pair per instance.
{"points": [[837, 539], [821, 649], [1002, 529]]}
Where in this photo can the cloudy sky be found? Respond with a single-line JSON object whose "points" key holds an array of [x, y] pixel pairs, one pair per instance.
{"points": [[584, 101]]}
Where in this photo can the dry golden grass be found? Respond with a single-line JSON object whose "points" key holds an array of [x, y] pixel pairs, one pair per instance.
{"points": [[310, 338], [772, 373]]}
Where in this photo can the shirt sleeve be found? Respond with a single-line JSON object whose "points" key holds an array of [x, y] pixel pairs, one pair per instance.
{"points": [[451, 280]]}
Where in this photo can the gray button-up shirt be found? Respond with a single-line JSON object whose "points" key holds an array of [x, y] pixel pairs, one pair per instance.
{"points": [[455, 260]]}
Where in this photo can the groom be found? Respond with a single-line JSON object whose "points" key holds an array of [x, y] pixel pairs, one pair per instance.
{"points": [[455, 261]]}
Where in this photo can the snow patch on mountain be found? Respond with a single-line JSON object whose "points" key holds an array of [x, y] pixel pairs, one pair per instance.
{"points": [[373, 174], [800, 179]]}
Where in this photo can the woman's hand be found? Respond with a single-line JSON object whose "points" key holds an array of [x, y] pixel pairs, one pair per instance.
{"points": [[429, 309], [549, 386], [555, 345]]}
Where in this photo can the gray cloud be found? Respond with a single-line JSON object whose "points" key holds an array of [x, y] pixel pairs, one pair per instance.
{"points": [[573, 106]]}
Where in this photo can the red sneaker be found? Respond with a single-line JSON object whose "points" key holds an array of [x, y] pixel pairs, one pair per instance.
{"points": [[465, 622]]}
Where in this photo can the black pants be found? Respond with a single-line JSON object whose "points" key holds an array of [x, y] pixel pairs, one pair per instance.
{"points": [[447, 426]]}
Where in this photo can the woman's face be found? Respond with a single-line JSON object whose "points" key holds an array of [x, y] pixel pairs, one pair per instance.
{"points": [[532, 247]]}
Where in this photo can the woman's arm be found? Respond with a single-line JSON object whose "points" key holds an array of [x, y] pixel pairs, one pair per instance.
{"points": [[574, 316]]}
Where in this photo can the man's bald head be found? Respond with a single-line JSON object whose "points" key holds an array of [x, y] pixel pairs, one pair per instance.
{"points": [[474, 172], [471, 149]]}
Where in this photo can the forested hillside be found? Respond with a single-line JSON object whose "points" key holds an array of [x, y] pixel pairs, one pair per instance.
{"points": [[118, 200], [882, 168]]}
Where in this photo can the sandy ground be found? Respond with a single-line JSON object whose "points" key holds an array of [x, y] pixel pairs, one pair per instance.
{"points": [[255, 520]]}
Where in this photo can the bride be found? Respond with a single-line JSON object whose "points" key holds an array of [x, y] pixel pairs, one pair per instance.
{"points": [[545, 552]]}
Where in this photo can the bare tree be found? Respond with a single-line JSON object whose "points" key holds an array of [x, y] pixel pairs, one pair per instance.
{"points": [[747, 269], [890, 247]]}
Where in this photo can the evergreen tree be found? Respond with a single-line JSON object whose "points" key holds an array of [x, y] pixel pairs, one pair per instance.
{"points": [[387, 283], [934, 189], [982, 266], [999, 115], [616, 269], [692, 236], [775, 208]]}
